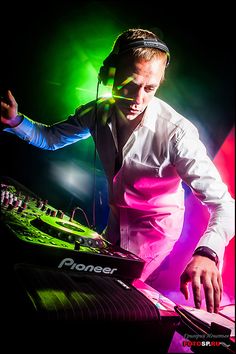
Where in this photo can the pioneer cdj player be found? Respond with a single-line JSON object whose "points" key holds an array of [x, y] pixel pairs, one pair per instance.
{"points": [[39, 234]]}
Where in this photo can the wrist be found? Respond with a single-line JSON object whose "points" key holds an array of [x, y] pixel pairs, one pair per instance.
{"points": [[14, 122], [206, 252]]}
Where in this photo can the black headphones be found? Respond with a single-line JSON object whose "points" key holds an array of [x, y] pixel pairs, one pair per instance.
{"points": [[111, 60]]}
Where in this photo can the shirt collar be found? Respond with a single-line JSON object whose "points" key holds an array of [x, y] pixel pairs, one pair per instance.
{"points": [[152, 111]]}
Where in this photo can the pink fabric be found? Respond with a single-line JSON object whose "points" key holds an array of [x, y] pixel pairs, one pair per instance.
{"points": [[151, 211]]}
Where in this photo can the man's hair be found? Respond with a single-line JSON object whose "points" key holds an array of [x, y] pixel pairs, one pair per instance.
{"points": [[144, 52], [137, 43]]}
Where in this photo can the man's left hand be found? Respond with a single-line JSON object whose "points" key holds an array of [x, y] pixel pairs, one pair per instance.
{"points": [[202, 270]]}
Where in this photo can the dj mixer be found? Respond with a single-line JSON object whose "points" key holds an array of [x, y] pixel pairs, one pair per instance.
{"points": [[40, 234]]}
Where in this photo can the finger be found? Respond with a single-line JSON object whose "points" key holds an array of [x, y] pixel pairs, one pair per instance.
{"points": [[184, 280], [209, 293], [4, 105], [11, 98], [196, 287], [185, 290], [218, 292], [220, 282]]}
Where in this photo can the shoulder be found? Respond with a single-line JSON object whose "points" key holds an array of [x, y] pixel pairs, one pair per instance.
{"points": [[93, 109], [172, 119], [169, 125], [85, 109]]}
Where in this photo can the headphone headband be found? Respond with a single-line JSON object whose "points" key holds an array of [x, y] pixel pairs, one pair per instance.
{"points": [[111, 60], [146, 43]]}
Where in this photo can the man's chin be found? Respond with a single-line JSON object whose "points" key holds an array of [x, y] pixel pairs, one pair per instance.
{"points": [[128, 113], [131, 116]]}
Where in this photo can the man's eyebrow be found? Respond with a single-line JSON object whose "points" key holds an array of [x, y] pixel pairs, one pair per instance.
{"points": [[125, 82], [151, 85]]}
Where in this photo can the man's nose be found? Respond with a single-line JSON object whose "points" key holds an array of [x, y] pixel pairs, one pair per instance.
{"points": [[138, 96]]}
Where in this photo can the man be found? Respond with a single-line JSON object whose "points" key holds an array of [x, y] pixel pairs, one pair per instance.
{"points": [[147, 150]]}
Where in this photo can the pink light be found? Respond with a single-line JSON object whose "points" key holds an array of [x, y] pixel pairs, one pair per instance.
{"points": [[225, 162]]}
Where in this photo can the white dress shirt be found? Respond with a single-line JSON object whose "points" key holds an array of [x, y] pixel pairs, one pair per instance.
{"points": [[146, 194]]}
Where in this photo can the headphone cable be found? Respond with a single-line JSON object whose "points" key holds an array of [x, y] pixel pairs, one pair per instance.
{"points": [[95, 159]]}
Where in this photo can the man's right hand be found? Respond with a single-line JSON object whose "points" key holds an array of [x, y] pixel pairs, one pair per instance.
{"points": [[9, 111]]}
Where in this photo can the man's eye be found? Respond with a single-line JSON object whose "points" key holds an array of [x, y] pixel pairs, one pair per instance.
{"points": [[149, 89]]}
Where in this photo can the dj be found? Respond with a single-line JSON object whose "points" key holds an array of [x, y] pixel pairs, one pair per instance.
{"points": [[147, 150]]}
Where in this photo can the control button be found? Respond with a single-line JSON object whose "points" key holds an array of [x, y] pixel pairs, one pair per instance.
{"points": [[60, 214], [10, 207], [99, 243], [20, 209], [5, 201], [71, 238], [39, 204], [15, 203], [48, 211], [53, 213]]}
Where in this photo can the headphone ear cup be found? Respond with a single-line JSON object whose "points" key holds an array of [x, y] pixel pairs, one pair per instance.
{"points": [[103, 75], [107, 71]]}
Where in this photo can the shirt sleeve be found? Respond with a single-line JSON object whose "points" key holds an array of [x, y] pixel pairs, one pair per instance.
{"points": [[56, 136], [198, 171]]}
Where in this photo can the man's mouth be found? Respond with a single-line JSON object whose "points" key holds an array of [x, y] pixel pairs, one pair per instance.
{"points": [[133, 110]]}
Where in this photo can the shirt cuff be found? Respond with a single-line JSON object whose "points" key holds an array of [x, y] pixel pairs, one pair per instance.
{"points": [[23, 129], [216, 244]]}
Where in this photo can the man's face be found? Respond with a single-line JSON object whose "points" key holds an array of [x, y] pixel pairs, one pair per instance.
{"points": [[135, 84]]}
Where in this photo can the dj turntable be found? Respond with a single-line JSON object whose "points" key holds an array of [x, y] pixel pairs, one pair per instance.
{"points": [[39, 234]]}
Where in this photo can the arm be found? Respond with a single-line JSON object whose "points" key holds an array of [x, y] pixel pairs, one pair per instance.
{"points": [[41, 135], [198, 171]]}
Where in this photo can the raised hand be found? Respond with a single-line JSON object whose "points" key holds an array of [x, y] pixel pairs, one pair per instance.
{"points": [[9, 111]]}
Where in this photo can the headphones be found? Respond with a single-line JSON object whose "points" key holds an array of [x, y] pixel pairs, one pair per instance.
{"points": [[109, 64]]}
